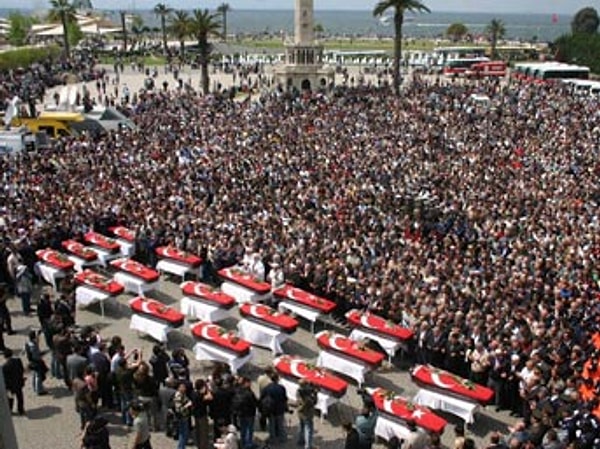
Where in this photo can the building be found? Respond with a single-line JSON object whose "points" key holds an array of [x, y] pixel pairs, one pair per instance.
{"points": [[304, 66]]}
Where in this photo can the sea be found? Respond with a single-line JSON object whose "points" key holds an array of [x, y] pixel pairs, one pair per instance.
{"points": [[519, 27]]}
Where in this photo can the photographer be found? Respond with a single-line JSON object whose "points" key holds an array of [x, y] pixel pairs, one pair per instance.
{"points": [[365, 425], [36, 363], [307, 400]]}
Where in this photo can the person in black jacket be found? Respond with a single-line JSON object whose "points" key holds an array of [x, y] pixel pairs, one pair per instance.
{"points": [[278, 406], [95, 434], [14, 379], [244, 408], [159, 362], [220, 406], [352, 438], [44, 313]]}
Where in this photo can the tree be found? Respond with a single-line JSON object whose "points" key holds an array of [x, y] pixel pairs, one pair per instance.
{"points": [[163, 11], [19, 28], [180, 26], [124, 29], [495, 31], [65, 12], [137, 29], [223, 9], [457, 31], [203, 25], [399, 7], [585, 21]]}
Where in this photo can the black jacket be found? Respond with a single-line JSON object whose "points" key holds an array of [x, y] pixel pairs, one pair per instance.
{"points": [[352, 440], [13, 372], [244, 403], [278, 395]]}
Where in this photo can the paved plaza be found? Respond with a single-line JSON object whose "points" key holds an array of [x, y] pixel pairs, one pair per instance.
{"points": [[51, 421]]}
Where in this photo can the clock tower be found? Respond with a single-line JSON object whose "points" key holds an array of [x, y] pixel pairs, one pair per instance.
{"points": [[304, 68]]}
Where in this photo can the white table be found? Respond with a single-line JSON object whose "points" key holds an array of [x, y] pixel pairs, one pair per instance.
{"points": [[355, 369], [458, 407], [156, 329], [305, 312], [389, 345], [84, 296], [105, 256], [50, 274], [387, 428], [262, 335], [205, 351], [133, 284], [177, 269], [243, 294], [324, 400], [82, 264], [202, 310], [127, 247]]}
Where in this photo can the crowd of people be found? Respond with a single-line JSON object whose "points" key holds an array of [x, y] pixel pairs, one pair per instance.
{"points": [[474, 225]]}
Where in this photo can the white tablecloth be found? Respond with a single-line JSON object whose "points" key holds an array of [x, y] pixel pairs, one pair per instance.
{"points": [[201, 310], [324, 400], [309, 314], [104, 256], [351, 368], [127, 247], [204, 351], [178, 269], [389, 345], [82, 264], [84, 296], [50, 274], [134, 284], [154, 328], [243, 294], [387, 428], [263, 336], [458, 407]]}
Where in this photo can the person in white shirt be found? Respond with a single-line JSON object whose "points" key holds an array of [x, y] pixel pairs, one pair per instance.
{"points": [[230, 440], [258, 267], [276, 277]]}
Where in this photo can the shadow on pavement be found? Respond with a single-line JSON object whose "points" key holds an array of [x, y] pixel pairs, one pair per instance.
{"points": [[43, 412]]}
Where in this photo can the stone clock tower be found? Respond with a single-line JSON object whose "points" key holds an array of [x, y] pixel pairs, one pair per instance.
{"points": [[304, 68]]}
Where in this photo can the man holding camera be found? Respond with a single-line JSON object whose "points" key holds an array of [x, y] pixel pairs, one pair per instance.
{"points": [[307, 400]]}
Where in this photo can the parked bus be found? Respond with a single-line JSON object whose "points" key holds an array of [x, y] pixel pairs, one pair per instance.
{"points": [[457, 67], [487, 69], [542, 71]]}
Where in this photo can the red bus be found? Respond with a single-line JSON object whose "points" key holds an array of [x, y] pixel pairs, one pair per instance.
{"points": [[455, 67], [487, 68]]}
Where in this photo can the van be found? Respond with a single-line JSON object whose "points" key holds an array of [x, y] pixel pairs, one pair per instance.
{"points": [[18, 140], [54, 124]]}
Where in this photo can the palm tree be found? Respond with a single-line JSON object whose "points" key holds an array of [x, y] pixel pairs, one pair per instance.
{"points": [[223, 9], [496, 31], [203, 25], [65, 12], [180, 26], [124, 29], [400, 7], [163, 11]]}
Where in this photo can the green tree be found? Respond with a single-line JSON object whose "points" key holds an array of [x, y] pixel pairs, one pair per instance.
{"points": [[64, 11], [318, 29], [137, 29], [224, 9], [457, 31], [495, 31], [204, 24], [585, 21], [75, 34], [582, 49], [19, 28], [163, 11], [400, 7], [180, 27]]}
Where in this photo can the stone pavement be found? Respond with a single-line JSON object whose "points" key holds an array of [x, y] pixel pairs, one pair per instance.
{"points": [[51, 421]]}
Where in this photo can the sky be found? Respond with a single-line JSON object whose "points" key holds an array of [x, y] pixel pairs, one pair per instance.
{"points": [[493, 6]]}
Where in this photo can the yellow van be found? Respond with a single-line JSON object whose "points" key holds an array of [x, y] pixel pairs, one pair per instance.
{"points": [[55, 124]]}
